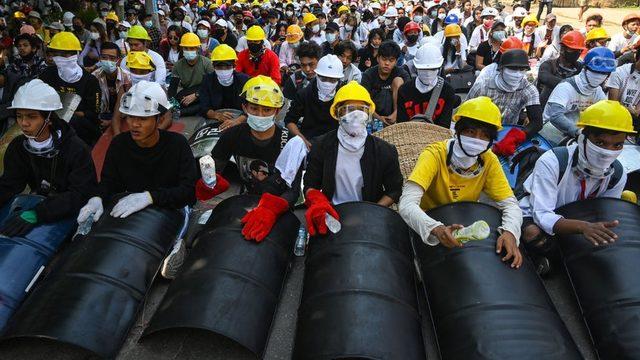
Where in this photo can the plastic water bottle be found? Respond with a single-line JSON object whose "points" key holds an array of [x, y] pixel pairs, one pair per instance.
{"points": [[208, 170], [332, 223], [85, 226], [301, 241], [479, 230]]}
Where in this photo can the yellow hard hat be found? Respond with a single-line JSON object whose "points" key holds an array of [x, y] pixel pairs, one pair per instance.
{"points": [[343, 8], [138, 32], [629, 196], [351, 92], [262, 90], [308, 18], [140, 60], [452, 30], [189, 40], [255, 3], [200, 4], [223, 52], [213, 6], [294, 34], [65, 41], [255, 33], [112, 16], [482, 109], [530, 19], [597, 34], [426, 29], [608, 115], [19, 15]]}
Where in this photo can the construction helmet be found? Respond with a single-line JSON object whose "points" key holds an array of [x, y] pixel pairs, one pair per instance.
{"points": [[223, 52], [19, 15], [144, 99], [629, 196], [138, 32], [489, 11], [343, 8], [530, 19], [189, 40], [511, 43], [600, 59], [452, 30], [294, 34], [573, 40], [112, 16], [308, 18], [351, 92], [262, 90], [36, 95], [411, 26], [428, 57], [597, 34], [139, 60], [515, 58], [630, 17], [451, 19], [519, 12], [65, 41], [255, 33], [608, 115], [391, 12], [481, 109], [330, 66]]}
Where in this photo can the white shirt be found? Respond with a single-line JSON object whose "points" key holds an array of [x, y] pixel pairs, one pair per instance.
{"points": [[349, 181], [628, 82], [541, 31], [551, 52], [352, 72], [564, 94], [287, 55], [160, 74], [242, 44], [479, 35], [618, 41], [546, 194]]}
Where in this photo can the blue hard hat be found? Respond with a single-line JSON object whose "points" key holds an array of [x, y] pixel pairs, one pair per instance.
{"points": [[219, 13], [451, 19], [601, 59]]}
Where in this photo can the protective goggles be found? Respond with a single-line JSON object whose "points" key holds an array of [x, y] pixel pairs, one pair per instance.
{"points": [[602, 64], [343, 110], [264, 95]]}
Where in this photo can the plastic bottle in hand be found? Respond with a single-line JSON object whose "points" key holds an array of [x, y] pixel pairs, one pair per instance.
{"points": [[208, 170], [332, 223], [479, 230]]}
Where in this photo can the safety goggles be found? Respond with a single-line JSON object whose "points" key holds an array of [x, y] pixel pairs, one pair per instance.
{"points": [[600, 62], [343, 110], [264, 95]]}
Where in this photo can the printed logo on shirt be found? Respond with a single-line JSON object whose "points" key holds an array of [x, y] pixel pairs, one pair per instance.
{"points": [[415, 108]]}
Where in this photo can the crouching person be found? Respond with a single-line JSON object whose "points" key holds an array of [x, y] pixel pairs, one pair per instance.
{"points": [[48, 157], [152, 165], [459, 170], [586, 169]]}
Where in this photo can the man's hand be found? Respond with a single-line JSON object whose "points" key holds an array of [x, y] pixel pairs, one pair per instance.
{"points": [[598, 233], [507, 242], [229, 124], [543, 43], [189, 99], [223, 116], [445, 236]]}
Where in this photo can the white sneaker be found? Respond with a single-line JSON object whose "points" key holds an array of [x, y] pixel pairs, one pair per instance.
{"points": [[173, 262]]}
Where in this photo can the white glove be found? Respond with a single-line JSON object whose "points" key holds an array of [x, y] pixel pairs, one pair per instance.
{"points": [[93, 207], [131, 203]]}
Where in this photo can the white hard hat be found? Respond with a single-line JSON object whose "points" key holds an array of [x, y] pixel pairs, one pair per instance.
{"points": [[519, 12], [489, 11], [67, 19], [36, 95], [391, 12], [375, 5], [205, 23], [428, 56], [431, 4], [125, 24], [144, 99], [399, 5], [455, 11], [330, 66], [222, 22]]}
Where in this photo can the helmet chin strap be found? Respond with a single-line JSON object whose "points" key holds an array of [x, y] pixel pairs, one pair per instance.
{"points": [[44, 125]]}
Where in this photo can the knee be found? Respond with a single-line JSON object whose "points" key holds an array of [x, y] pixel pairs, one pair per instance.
{"points": [[531, 232]]}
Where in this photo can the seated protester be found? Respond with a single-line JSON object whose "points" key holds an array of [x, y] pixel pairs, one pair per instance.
{"points": [[288, 49], [222, 33], [312, 103], [438, 24], [460, 169], [256, 59], [348, 164], [512, 93], [244, 45], [491, 70], [207, 43], [152, 166], [480, 32], [624, 86], [187, 74], [383, 81], [368, 55], [514, 26], [349, 32], [170, 46], [222, 88], [123, 30], [70, 80], [584, 170], [137, 38], [489, 50], [414, 97], [346, 52], [625, 41], [453, 51], [451, 19], [308, 53], [580, 91], [549, 33], [141, 68], [332, 38], [48, 157], [552, 72], [410, 44], [154, 33], [21, 68], [533, 44], [112, 80], [552, 51], [90, 54]]}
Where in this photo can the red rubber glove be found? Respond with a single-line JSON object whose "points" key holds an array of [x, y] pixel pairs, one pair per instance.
{"points": [[204, 193], [317, 207], [259, 221], [507, 146]]}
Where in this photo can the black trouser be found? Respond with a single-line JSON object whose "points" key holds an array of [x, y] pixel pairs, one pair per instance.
{"points": [[87, 129], [549, 8], [526, 4]]}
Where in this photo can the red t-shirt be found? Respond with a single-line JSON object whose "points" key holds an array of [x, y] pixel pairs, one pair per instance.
{"points": [[269, 65]]}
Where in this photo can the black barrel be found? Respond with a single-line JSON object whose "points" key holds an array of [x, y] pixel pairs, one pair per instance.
{"points": [[483, 309], [605, 278], [91, 298], [359, 298], [229, 285]]}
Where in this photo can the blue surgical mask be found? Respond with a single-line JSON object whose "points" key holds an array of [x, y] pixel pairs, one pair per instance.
{"points": [[203, 33], [190, 55], [260, 123], [331, 37], [148, 24], [108, 66]]}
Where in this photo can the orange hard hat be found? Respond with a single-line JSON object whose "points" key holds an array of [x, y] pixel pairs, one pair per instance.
{"points": [[574, 40], [630, 17], [411, 26], [510, 43]]}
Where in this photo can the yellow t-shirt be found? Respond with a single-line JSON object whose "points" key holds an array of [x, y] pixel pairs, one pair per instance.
{"points": [[443, 186]]}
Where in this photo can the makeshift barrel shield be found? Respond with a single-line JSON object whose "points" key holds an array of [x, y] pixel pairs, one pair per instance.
{"points": [[483, 309], [410, 138], [207, 134], [22, 259], [359, 298], [93, 294], [605, 278], [525, 156], [229, 285], [629, 160]]}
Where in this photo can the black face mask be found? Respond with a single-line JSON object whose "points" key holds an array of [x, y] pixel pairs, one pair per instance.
{"points": [[218, 33], [412, 38], [247, 21], [77, 28], [571, 56], [282, 38], [254, 48], [178, 17]]}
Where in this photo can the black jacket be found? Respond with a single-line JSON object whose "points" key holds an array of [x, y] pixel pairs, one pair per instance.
{"points": [[317, 119], [71, 181], [214, 96], [551, 74], [379, 164], [87, 88]]}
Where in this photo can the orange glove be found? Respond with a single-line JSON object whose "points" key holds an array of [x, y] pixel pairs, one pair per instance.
{"points": [[204, 193], [259, 221], [317, 207], [507, 146]]}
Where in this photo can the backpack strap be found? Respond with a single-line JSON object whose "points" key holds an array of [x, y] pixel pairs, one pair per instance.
{"points": [[562, 154], [618, 171], [433, 101]]}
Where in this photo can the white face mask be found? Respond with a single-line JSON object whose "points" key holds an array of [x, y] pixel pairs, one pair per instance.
{"points": [[135, 78], [466, 154], [95, 36], [595, 160], [352, 132], [315, 29], [123, 35], [509, 80], [225, 77], [454, 42], [68, 68], [442, 16], [203, 33], [427, 80], [594, 80], [417, 18], [260, 123], [348, 27], [326, 90], [330, 37]]}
